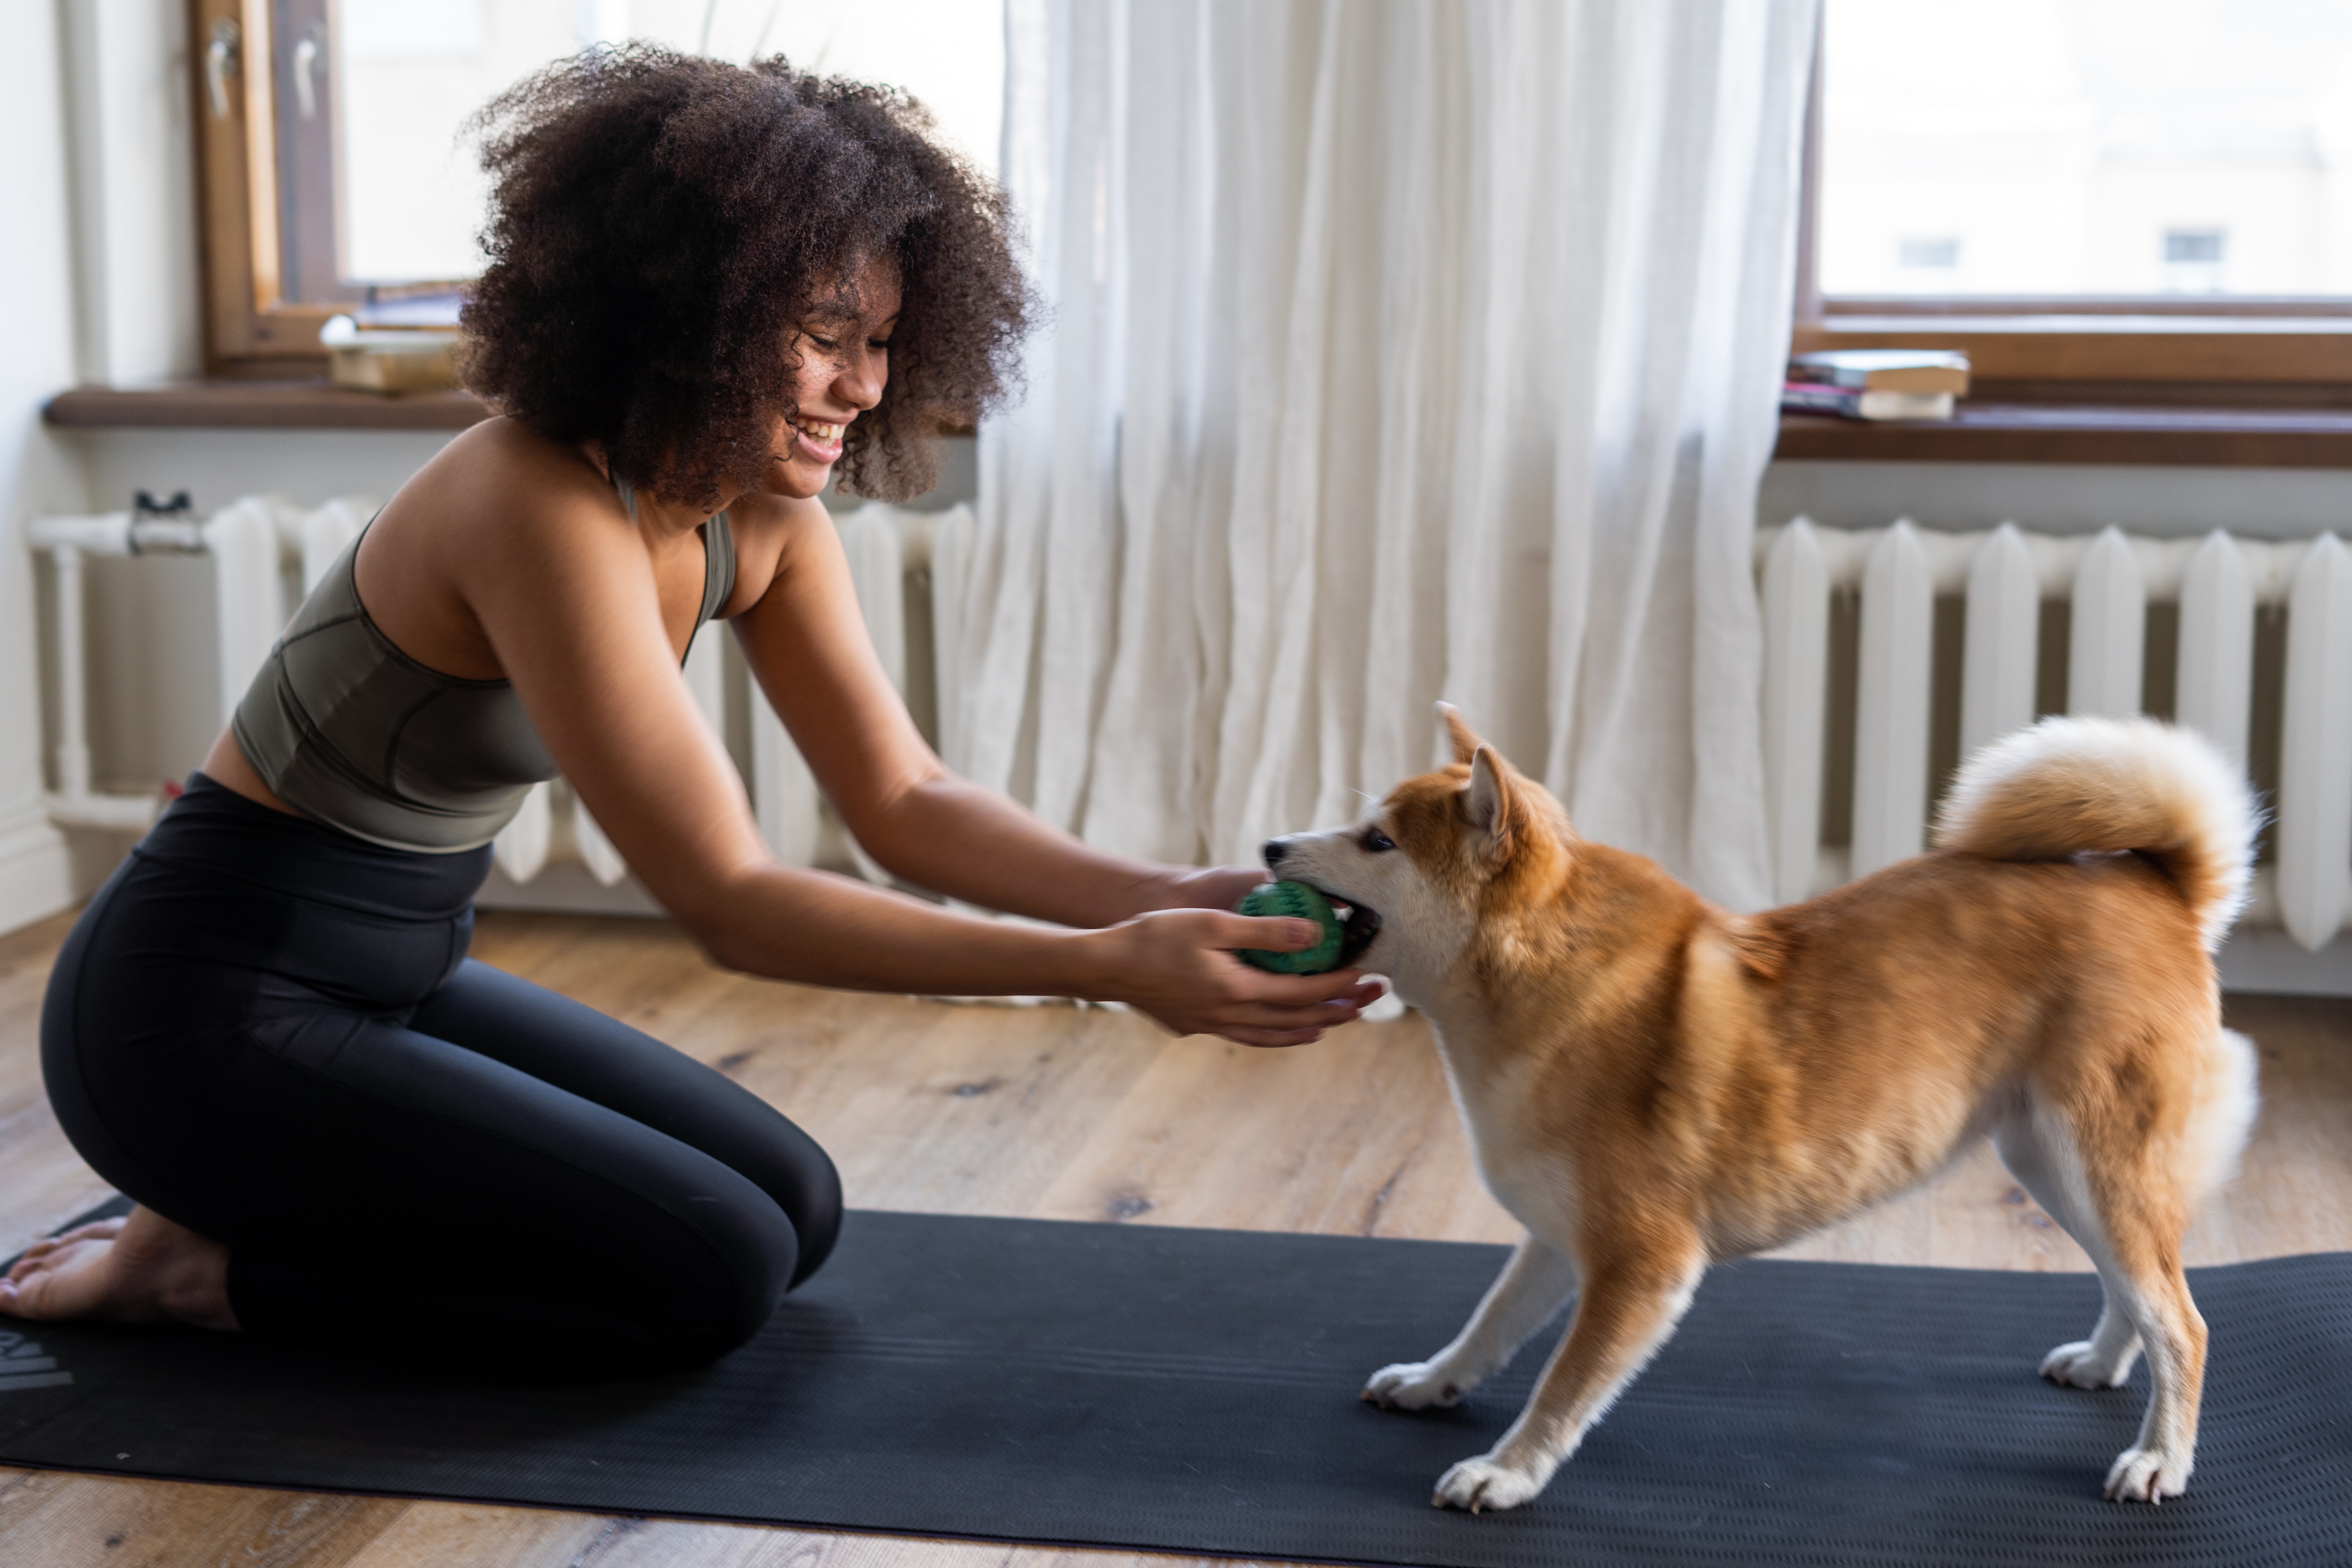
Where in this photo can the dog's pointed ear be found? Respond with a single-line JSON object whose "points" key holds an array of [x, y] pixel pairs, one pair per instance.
{"points": [[1490, 798], [1464, 741]]}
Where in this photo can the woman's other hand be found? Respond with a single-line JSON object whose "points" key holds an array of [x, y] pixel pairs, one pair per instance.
{"points": [[1178, 967], [1207, 887]]}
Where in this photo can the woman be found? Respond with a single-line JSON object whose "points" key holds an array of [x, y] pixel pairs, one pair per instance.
{"points": [[710, 289]]}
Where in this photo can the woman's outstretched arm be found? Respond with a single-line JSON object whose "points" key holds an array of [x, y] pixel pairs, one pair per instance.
{"points": [[808, 646], [567, 597]]}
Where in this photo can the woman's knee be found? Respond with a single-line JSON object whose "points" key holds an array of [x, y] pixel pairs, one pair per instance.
{"points": [[811, 1198], [750, 1253]]}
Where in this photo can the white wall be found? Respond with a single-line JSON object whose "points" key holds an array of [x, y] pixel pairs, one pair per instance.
{"points": [[216, 467], [37, 472], [131, 153]]}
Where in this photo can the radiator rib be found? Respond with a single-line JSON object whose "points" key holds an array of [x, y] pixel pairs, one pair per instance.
{"points": [[2213, 686], [2004, 618], [2315, 797], [1890, 736]]}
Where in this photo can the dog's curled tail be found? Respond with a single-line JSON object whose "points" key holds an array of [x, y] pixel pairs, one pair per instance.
{"points": [[2070, 785]]}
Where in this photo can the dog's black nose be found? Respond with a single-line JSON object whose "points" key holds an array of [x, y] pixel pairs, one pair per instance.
{"points": [[1274, 850]]}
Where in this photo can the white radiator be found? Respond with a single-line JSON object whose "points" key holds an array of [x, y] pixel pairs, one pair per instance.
{"points": [[2109, 581], [266, 553]]}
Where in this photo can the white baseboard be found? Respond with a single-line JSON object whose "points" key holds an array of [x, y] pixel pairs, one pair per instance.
{"points": [[37, 873], [2268, 960]]}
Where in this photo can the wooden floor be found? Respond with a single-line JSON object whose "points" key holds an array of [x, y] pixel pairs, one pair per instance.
{"points": [[1048, 1112]]}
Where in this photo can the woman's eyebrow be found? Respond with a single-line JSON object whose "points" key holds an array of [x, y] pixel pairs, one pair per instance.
{"points": [[840, 313]]}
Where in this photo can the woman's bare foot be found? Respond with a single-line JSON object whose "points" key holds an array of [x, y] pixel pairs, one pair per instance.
{"points": [[141, 1269]]}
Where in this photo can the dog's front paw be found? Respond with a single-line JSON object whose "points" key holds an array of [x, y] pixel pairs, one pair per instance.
{"points": [[2146, 1475], [1486, 1484], [2079, 1366], [1414, 1385]]}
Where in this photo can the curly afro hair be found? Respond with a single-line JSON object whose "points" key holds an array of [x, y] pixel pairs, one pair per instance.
{"points": [[661, 223]]}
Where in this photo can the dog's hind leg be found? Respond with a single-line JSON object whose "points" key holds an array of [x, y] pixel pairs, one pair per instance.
{"points": [[2105, 1359], [2128, 1205], [1628, 1307], [1531, 1286]]}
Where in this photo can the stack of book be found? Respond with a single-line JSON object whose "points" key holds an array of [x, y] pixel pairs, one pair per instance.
{"points": [[1877, 383]]}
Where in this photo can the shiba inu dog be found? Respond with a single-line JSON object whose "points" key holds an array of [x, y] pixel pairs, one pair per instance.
{"points": [[1652, 1083]]}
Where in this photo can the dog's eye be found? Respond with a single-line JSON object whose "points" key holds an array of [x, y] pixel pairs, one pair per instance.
{"points": [[1374, 841]]}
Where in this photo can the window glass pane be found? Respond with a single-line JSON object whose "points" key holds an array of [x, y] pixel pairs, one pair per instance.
{"points": [[408, 195], [2087, 147]]}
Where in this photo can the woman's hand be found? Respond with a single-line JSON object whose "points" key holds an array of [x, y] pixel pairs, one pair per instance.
{"points": [[1178, 967], [1206, 887]]}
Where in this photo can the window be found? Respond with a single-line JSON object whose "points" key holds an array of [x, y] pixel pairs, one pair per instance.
{"points": [[2101, 200], [333, 170]]}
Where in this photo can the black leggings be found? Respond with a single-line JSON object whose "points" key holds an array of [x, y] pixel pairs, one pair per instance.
{"points": [[268, 1031]]}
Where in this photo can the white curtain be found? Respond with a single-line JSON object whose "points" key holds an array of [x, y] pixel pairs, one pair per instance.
{"points": [[1397, 350]]}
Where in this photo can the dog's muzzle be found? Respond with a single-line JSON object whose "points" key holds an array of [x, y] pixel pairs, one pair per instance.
{"points": [[1360, 924]]}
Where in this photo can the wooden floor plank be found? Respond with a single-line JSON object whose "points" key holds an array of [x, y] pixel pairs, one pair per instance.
{"points": [[440, 1534], [1052, 1112], [1357, 1135], [82, 1521]]}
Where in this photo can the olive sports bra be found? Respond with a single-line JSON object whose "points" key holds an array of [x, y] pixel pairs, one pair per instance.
{"points": [[352, 732]]}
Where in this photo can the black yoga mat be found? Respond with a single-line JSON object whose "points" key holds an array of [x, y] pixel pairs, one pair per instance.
{"points": [[1195, 1391]]}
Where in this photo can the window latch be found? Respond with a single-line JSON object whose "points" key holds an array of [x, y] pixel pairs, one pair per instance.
{"points": [[221, 62], [306, 70]]}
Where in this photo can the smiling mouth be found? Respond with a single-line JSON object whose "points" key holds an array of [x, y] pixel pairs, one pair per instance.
{"points": [[1360, 924], [818, 439]]}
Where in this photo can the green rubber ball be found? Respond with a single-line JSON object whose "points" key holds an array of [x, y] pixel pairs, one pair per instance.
{"points": [[1295, 900]]}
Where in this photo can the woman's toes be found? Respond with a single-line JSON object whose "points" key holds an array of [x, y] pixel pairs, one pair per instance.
{"points": [[96, 1230], [70, 1282], [21, 1298]]}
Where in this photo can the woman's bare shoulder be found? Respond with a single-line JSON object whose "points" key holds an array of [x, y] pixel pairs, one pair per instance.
{"points": [[770, 532], [496, 473], [497, 506]]}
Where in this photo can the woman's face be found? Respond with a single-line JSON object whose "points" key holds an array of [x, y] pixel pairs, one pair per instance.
{"points": [[842, 350]]}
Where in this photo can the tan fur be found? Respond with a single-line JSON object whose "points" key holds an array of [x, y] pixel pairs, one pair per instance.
{"points": [[1652, 1083]]}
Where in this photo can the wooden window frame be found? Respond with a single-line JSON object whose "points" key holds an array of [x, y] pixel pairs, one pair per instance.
{"points": [[251, 329], [2160, 353]]}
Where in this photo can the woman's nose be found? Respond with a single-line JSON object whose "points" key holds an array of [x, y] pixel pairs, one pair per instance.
{"points": [[860, 382]]}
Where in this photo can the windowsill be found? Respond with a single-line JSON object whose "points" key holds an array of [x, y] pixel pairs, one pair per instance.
{"points": [[1981, 433], [273, 405], [2075, 433], [259, 406]]}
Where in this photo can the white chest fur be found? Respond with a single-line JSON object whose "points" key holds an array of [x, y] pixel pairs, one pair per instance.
{"points": [[1536, 1184]]}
